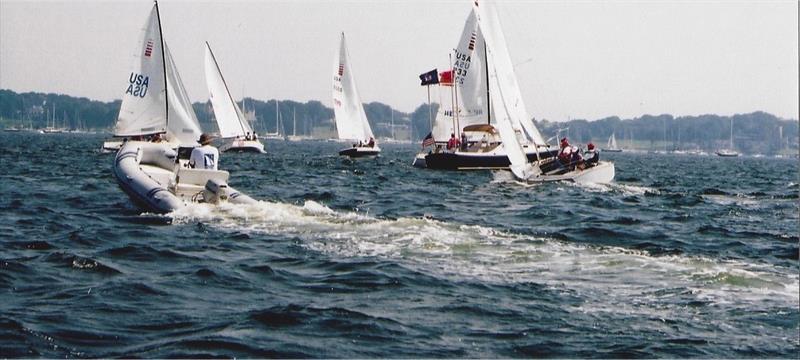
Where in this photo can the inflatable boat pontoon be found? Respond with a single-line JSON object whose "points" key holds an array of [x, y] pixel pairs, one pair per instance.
{"points": [[157, 178]]}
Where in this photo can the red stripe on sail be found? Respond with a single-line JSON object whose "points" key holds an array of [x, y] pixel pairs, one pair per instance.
{"points": [[472, 41], [149, 48]]}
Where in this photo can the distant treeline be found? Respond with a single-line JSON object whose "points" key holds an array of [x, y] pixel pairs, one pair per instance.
{"points": [[753, 133], [757, 132]]}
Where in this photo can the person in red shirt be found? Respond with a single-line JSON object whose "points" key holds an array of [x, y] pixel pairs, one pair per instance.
{"points": [[453, 143]]}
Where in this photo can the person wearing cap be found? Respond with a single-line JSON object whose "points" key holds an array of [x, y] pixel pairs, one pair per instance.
{"points": [[565, 155], [569, 155], [592, 155], [204, 156]]}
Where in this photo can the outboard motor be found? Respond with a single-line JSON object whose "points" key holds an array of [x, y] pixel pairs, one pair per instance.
{"points": [[216, 191]]}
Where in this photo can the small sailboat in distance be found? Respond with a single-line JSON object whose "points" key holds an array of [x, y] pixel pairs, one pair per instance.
{"points": [[233, 126], [611, 146], [351, 120], [728, 152]]}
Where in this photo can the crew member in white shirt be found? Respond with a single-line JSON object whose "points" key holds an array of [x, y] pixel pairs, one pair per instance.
{"points": [[204, 156]]}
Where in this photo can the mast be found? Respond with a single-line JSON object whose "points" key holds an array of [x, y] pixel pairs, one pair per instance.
{"points": [[488, 99], [230, 97], [452, 91], [164, 65]]}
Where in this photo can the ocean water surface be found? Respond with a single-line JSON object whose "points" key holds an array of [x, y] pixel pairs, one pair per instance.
{"points": [[682, 256]]}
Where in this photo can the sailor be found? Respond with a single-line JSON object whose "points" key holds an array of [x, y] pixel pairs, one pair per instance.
{"points": [[156, 138], [247, 137], [463, 141], [371, 142], [592, 155], [204, 156], [453, 143], [565, 155]]}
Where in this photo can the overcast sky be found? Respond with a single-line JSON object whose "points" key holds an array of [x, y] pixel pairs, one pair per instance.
{"points": [[574, 59]]}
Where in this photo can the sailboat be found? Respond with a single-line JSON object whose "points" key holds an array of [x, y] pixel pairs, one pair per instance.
{"points": [[233, 126], [471, 115], [183, 127], [351, 120], [611, 146], [505, 109], [730, 152], [156, 175], [277, 135], [294, 136]]}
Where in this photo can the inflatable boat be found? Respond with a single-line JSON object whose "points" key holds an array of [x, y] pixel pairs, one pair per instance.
{"points": [[158, 178]]}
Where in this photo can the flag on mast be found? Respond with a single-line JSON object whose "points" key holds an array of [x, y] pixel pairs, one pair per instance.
{"points": [[446, 78], [430, 77]]}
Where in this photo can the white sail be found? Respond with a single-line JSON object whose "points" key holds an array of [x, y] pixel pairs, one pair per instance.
{"points": [[443, 124], [500, 61], [520, 166], [183, 126], [230, 119], [469, 75], [144, 103], [612, 142], [351, 120]]}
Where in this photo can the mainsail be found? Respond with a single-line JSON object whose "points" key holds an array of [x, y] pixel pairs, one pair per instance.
{"points": [[351, 120], [469, 72], [144, 104], [472, 68], [230, 119]]}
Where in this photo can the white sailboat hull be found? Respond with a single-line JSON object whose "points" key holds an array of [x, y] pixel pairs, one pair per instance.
{"points": [[727, 153], [242, 146], [602, 173], [150, 176]]}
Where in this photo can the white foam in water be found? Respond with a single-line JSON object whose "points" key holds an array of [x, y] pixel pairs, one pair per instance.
{"points": [[741, 200], [615, 275], [624, 189]]}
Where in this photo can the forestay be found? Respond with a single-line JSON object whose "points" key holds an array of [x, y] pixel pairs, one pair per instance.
{"points": [[230, 120], [351, 120], [144, 103]]}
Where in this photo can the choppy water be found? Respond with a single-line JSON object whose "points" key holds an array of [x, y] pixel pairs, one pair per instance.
{"points": [[681, 257]]}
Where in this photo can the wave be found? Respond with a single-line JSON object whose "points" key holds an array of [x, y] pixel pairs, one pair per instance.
{"points": [[477, 253]]}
